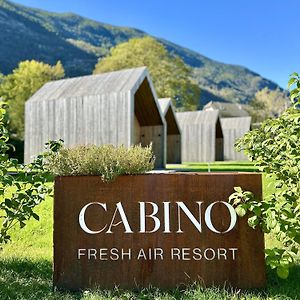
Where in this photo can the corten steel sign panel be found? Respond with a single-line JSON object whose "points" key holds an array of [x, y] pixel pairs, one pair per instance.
{"points": [[162, 230]]}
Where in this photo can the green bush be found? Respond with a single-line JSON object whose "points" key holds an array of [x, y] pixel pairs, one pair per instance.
{"points": [[21, 190], [106, 161], [275, 148]]}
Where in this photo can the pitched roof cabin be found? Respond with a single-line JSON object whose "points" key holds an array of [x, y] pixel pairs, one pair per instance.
{"points": [[202, 136], [115, 108], [173, 131], [226, 109], [234, 128]]}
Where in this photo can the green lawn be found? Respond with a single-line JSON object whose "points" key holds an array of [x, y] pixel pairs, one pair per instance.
{"points": [[26, 268], [222, 166]]}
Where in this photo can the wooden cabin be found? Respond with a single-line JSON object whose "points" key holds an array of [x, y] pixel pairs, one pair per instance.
{"points": [[111, 108], [201, 136], [227, 109], [173, 131], [234, 128]]}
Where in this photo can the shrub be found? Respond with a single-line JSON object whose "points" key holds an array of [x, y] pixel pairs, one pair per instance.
{"points": [[275, 148], [106, 161], [22, 188]]}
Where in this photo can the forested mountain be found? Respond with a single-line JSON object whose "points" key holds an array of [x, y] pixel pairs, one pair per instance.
{"points": [[27, 33]]}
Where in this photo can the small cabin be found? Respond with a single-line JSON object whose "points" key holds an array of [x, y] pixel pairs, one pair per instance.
{"points": [[227, 109], [118, 108], [234, 128], [201, 136], [173, 131]]}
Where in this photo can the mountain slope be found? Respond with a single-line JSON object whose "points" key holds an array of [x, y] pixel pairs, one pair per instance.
{"points": [[28, 33]]}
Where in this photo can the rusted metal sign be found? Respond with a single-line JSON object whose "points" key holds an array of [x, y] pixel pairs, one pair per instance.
{"points": [[162, 230]]}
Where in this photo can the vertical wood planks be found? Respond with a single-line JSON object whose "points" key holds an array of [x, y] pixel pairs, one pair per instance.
{"points": [[97, 109]]}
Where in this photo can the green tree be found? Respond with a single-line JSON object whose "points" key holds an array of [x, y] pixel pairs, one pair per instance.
{"points": [[275, 148], [17, 87], [170, 75], [267, 104]]}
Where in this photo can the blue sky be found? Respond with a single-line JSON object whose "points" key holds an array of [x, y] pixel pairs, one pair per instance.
{"points": [[259, 34]]}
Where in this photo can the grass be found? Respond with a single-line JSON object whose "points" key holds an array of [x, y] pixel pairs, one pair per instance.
{"points": [[26, 267], [222, 166]]}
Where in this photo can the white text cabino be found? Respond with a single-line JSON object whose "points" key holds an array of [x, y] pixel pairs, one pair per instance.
{"points": [[162, 223]]}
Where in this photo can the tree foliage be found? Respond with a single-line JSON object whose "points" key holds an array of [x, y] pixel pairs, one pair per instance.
{"points": [[171, 77], [275, 148], [17, 87], [21, 192], [267, 104]]}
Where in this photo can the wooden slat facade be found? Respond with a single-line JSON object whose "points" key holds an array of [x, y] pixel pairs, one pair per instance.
{"points": [[173, 131], [202, 137], [234, 128], [96, 109]]}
